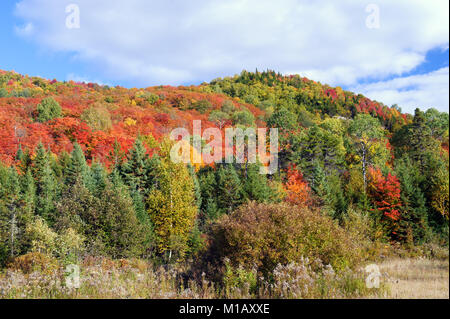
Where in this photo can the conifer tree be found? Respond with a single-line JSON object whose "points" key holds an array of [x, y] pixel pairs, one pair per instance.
{"points": [[414, 212], [255, 185], [77, 168], [229, 191], [136, 171]]}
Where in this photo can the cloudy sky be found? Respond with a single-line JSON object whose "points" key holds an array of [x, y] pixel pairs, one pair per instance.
{"points": [[396, 52]]}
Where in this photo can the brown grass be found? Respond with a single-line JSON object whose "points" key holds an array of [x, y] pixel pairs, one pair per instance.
{"points": [[416, 278]]}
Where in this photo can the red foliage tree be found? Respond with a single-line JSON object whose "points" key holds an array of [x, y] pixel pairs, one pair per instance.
{"points": [[384, 191]]}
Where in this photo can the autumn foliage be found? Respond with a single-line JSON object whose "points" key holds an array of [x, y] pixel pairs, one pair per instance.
{"points": [[297, 189], [385, 194]]}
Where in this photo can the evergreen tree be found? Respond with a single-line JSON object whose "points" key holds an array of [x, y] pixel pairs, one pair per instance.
{"points": [[123, 234], [77, 168], [48, 109], [414, 212], [255, 185], [137, 171], [229, 192]]}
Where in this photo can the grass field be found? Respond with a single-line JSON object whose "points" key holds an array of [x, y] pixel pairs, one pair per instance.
{"points": [[416, 278]]}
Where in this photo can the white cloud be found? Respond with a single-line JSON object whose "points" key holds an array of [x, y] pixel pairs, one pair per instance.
{"points": [[24, 30], [423, 91], [178, 41]]}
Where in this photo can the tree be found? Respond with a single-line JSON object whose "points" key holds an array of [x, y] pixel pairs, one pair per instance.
{"points": [[420, 139], [437, 122], [137, 171], [316, 149], [78, 168], [124, 235], [10, 203], [46, 185], [219, 118], [97, 117], [48, 109], [244, 117], [298, 191], [385, 194], [229, 190], [255, 185], [414, 210], [284, 120], [365, 131], [172, 204]]}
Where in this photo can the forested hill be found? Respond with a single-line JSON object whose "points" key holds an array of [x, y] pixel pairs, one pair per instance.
{"points": [[96, 116], [340, 153]]}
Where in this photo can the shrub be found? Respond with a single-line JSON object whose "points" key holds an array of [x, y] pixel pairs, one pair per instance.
{"points": [[34, 261], [44, 240], [202, 106], [270, 234], [244, 117]]}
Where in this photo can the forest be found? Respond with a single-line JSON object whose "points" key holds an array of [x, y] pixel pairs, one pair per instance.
{"points": [[86, 179]]}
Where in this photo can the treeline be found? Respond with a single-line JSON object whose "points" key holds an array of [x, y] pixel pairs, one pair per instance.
{"points": [[142, 207]]}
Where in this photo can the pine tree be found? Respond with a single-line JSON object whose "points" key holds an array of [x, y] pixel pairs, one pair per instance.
{"points": [[414, 211], [255, 186], [137, 170], [78, 168], [46, 185], [421, 139], [10, 204], [229, 192], [197, 188], [123, 234], [97, 178], [40, 160], [46, 193]]}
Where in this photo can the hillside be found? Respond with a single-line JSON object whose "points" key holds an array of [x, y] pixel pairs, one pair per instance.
{"points": [[157, 110], [356, 180]]}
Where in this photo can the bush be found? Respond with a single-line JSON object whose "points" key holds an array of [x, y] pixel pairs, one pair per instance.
{"points": [[66, 245], [202, 106], [244, 117], [265, 235], [34, 261]]}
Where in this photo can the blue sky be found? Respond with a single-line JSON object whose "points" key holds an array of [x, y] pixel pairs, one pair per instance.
{"points": [[393, 51]]}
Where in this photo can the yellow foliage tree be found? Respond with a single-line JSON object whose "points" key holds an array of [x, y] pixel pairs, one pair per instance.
{"points": [[172, 204]]}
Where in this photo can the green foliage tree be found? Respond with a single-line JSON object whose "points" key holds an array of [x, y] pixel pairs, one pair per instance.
{"points": [[365, 130], [229, 192], [47, 110]]}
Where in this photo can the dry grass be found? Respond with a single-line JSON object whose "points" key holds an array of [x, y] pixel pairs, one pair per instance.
{"points": [[417, 278]]}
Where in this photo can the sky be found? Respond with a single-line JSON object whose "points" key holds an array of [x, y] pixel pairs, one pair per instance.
{"points": [[396, 52]]}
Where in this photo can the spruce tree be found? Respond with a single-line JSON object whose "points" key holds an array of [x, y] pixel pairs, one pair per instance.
{"points": [[414, 212], [229, 191], [136, 171], [78, 168], [255, 185]]}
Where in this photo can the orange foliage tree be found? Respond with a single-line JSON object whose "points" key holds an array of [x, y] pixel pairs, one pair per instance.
{"points": [[297, 189]]}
